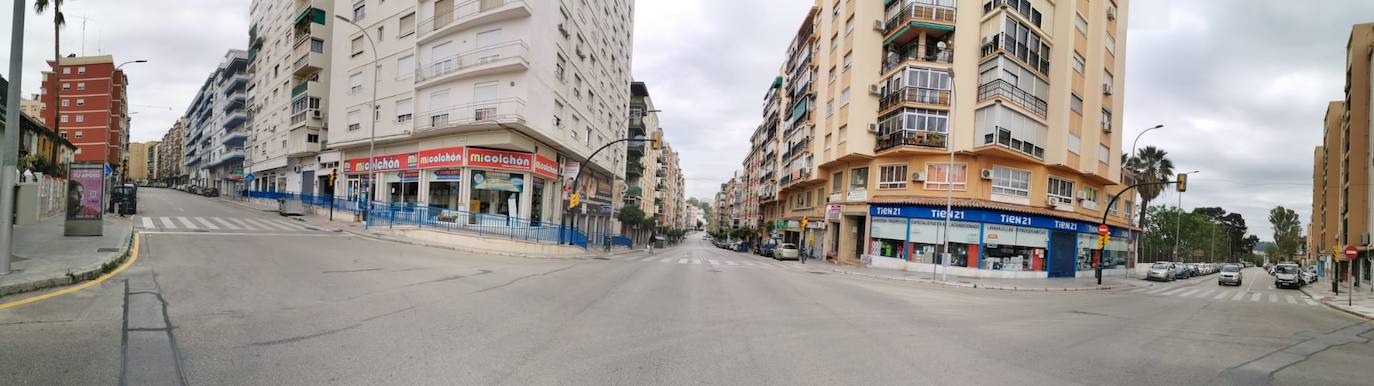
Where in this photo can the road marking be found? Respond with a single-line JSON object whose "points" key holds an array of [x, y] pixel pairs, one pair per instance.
{"points": [[1273, 298], [206, 223], [1160, 289], [1187, 294], [1204, 294], [1291, 300], [1239, 295], [133, 256], [208, 233], [731, 262], [225, 222], [1255, 297], [269, 225], [254, 224], [696, 261], [187, 223], [1143, 289], [1221, 295], [666, 259], [1309, 301], [1174, 292], [147, 222], [713, 262], [682, 261], [167, 222], [292, 225]]}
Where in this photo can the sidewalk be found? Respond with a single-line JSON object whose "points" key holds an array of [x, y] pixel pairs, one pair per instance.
{"points": [[343, 222], [44, 258], [1359, 302], [1057, 284]]}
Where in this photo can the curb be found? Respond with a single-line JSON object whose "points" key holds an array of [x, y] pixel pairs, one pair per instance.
{"points": [[73, 276], [479, 251], [974, 285], [1331, 305]]}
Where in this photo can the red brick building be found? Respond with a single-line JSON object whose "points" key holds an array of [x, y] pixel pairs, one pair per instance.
{"points": [[94, 112]]}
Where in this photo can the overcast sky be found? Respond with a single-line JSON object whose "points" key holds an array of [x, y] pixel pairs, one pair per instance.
{"points": [[1241, 84]]}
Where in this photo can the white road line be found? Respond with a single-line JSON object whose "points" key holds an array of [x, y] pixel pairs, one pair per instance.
{"points": [[290, 225], [1204, 294], [1291, 300], [682, 261], [242, 224], [270, 225], [1309, 301], [696, 261], [1187, 294], [1239, 295], [1222, 295], [1255, 297], [187, 223], [225, 222], [1174, 292], [1273, 298], [1142, 289], [713, 262], [206, 223], [147, 222], [167, 222], [666, 260], [1160, 289], [731, 262]]}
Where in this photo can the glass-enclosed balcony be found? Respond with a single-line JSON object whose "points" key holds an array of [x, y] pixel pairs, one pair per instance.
{"points": [[907, 22]]}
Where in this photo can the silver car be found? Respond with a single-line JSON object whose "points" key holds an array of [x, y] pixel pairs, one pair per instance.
{"points": [[786, 251], [1230, 274], [1161, 271]]}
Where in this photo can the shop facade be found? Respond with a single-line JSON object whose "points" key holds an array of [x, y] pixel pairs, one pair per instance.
{"points": [[989, 242]]}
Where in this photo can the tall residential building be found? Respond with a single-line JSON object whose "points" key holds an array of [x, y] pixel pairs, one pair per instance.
{"points": [[1341, 211], [33, 107], [140, 157], [668, 189], [288, 94], [876, 96], [480, 105], [94, 111], [170, 168], [641, 165], [214, 137]]}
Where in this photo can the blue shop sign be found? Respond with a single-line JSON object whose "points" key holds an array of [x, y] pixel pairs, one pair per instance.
{"points": [[990, 216]]}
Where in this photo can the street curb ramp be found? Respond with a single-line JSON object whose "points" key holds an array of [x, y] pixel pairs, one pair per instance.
{"points": [[73, 275]]}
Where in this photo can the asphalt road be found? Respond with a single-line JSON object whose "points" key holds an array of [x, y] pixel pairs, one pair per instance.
{"points": [[260, 300]]}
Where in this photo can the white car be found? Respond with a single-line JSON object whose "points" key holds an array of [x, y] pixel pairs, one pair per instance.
{"points": [[786, 251]]}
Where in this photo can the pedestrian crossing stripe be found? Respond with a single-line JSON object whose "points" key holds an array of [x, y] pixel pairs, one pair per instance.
{"points": [[219, 223], [206, 223], [187, 223], [147, 222], [1223, 295]]}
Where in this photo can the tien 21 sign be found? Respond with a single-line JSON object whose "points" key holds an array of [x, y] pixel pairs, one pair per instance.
{"points": [[987, 216]]}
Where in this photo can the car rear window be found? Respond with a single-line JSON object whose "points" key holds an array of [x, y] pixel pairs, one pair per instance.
{"points": [[1231, 268], [1160, 265]]}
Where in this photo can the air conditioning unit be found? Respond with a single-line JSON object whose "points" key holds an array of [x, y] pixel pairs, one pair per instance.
{"points": [[918, 177], [986, 174], [878, 25], [317, 114], [1111, 14], [873, 128], [1107, 88], [875, 89]]}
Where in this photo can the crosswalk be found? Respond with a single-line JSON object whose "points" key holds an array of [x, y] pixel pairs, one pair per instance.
{"points": [[1225, 295], [220, 224], [711, 262]]}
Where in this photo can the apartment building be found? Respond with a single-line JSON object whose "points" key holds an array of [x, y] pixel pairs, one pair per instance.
{"points": [[170, 168], [288, 94], [669, 189], [141, 156], [766, 152], [876, 96], [642, 168], [492, 99], [1341, 214], [33, 107], [215, 133], [94, 113]]}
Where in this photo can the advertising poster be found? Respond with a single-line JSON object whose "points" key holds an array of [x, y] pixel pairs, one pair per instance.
{"points": [[85, 190], [506, 182], [448, 175]]}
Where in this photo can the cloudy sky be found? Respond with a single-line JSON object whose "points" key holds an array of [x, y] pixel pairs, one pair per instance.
{"points": [[1240, 84]]}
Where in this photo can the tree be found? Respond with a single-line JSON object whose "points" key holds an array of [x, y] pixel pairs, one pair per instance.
{"points": [[1151, 164], [58, 21], [1231, 232], [1287, 231], [1171, 229]]}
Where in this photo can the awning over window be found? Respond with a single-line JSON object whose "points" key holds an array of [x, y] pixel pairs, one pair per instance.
{"points": [[799, 110]]}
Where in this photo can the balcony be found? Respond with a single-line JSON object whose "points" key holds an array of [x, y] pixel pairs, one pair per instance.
{"points": [[1005, 90], [308, 62], [1036, 58], [307, 118], [924, 97], [191, 159], [914, 53], [500, 58], [910, 138], [302, 142], [633, 170], [235, 154], [660, 173], [796, 149], [478, 115], [794, 177], [468, 14], [235, 84], [635, 148], [908, 23], [235, 102], [235, 138], [232, 120]]}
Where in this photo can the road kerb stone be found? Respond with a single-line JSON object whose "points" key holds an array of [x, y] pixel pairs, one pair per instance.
{"points": [[73, 275]]}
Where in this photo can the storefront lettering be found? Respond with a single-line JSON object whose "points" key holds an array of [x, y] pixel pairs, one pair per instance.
{"points": [[499, 159], [1065, 225], [882, 211], [940, 213], [1018, 220], [545, 167]]}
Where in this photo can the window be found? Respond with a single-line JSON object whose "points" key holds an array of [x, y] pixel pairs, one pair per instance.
{"points": [[858, 178], [63, 118], [1104, 154], [892, 177], [833, 74], [1106, 80], [316, 45], [355, 119], [844, 97], [1076, 103], [848, 60], [837, 182], [1111, 44], [66, 102], [407, 25], [66, 86], [483, 92], [405, 67], [558, 68], [1061, 191], [835, 9], [1080, 24], [81, 69], [78, 134], [357, 46], [80, 85], [80, 118], [849, 24], [1075, 143], [66, 70], [941, 176], [1078, 63], [80, 101], [1011, 182], [835, 41], [830, 107], [1106, 120], [1090, 194], [488, 38], [1112, 210], [359, 11], [355, 83], [404, 110]]}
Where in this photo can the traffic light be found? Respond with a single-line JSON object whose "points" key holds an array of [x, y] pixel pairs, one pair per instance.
{"points": [[333, 175], [1182, 182], [656, 141], [574, 200]]}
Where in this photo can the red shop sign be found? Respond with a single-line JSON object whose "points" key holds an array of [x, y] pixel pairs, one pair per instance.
{"points": [[497, 159], [545, 166], [441, 158], [383, 163]]}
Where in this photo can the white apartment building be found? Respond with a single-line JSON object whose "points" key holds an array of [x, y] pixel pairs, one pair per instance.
{"points": [[213, 139], [482, 105], [289, 95]]}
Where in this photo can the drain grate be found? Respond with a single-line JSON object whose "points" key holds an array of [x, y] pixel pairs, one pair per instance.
{"points": [[103, 250]]}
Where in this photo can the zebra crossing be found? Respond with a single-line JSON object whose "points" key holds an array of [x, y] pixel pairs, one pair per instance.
{"points": [[712, 262], [220, 224], [1225, 295]]}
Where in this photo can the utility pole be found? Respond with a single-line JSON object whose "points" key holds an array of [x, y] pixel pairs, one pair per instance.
{"points": [[9, 148]]}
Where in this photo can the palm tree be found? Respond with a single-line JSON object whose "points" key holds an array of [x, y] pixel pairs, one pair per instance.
{"points": [[1151, 164], [58, 21]]}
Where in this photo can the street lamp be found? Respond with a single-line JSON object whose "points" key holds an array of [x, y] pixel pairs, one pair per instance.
{"points": [[1179, 218], [9, 143], [1137, 139], [1130, 215], [949, 171], [372, 137]]}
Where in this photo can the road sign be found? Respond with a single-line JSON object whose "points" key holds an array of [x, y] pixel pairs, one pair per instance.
{"points": [[1351, 253], [108, 171], [1102, 230]]}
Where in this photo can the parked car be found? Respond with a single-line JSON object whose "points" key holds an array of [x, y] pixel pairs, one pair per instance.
{"points": [[786, 251], [1230, 274], [1287, 275], [766, 248], [124, 200], [1309, 275], [1181, 270], [1162, 271]]}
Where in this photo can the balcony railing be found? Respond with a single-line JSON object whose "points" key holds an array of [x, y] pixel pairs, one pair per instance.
{"points": [[510, 52], [919, 11], [1004, 89], [911, 94], [460, 13], [913, 53], [910, 138], [797, 148], [508, 110]]}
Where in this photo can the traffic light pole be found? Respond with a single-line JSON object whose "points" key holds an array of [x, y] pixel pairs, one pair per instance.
{"points": [[1102, 249], [567, 223]]}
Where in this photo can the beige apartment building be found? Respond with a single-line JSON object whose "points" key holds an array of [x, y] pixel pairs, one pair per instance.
{"points": [[1341, 214], [141, 156], [33, 107], [1026, 94]]}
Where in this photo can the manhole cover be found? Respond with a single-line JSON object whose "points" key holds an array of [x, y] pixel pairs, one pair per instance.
{"points": [[107, 249], [601, 258]]}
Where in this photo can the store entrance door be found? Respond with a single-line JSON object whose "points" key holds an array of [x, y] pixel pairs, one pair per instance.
{"points": [[1062, 257]]}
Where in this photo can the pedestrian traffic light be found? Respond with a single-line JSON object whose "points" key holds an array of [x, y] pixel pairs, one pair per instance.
{"points": [[1182, 182], [656, 141]]}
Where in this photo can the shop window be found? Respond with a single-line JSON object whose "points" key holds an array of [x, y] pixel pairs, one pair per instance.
{"points": [[892, 177]]}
